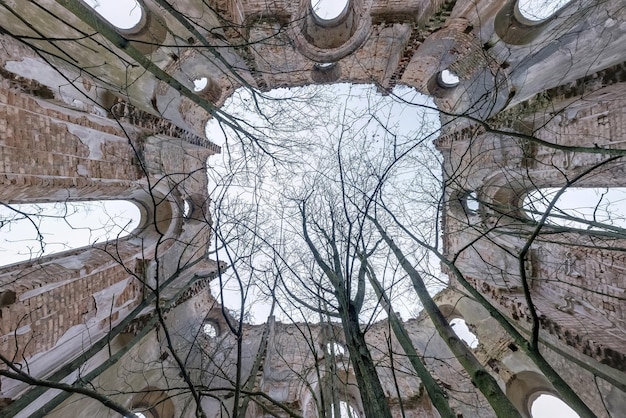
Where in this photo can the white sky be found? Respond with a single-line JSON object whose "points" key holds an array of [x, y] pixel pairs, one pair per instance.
{"points": [[460, 328], [546, 405], [604, 205], [539, 9], [329, 9], [122, 13], [403, 120]]}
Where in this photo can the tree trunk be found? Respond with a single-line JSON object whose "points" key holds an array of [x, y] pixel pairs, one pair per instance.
{"points": [[480, 377], [372, 394], [436, 394]]}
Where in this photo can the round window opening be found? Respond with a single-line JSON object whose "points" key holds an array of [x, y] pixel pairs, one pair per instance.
{"points": [[200, 84], [328, 10], [325, 66], [210, 330], [137, 414], [461, 329], [448, 79], [123, 14], [471, 203], [335, 349], [546, 405]]}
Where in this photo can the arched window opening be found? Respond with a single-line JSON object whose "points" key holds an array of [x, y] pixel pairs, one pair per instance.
{"points": [[539, 10], [144, 414], [325, 66], [207, 88], [331, 25], [461, 329], [151, 402], [527, 387], [326, 72], [7, 297], [328, 10], [200, 84], [123, 14], [448, 79], [29, 231], [335, 349], [593, 208], [471, 203], [186, 209], [345, 411], [548, 406]]}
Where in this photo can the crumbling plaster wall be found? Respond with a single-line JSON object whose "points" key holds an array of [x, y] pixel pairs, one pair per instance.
{"points": [[575, 278], [297, 360], [502, 170], [65, 302], [387, 43], [147, 365]]}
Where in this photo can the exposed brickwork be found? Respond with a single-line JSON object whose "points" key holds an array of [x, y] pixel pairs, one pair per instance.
{"points": [[35, 324], [156, 125]]}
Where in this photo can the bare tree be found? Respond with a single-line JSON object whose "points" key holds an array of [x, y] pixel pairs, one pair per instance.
{"points": [[312, 223]]}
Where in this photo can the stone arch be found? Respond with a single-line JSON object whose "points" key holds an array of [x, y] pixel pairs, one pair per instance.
{"points": [[524, 387], [195, 207], [456, 48], [446, 50], [503, 188], [149, 33], [556, 272], [504, 196], [191, 66], [345, 390], [153, 403], [450, 311], [330, 40], [514, 29], [465, 203], [155, 220], [69, 275]]}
